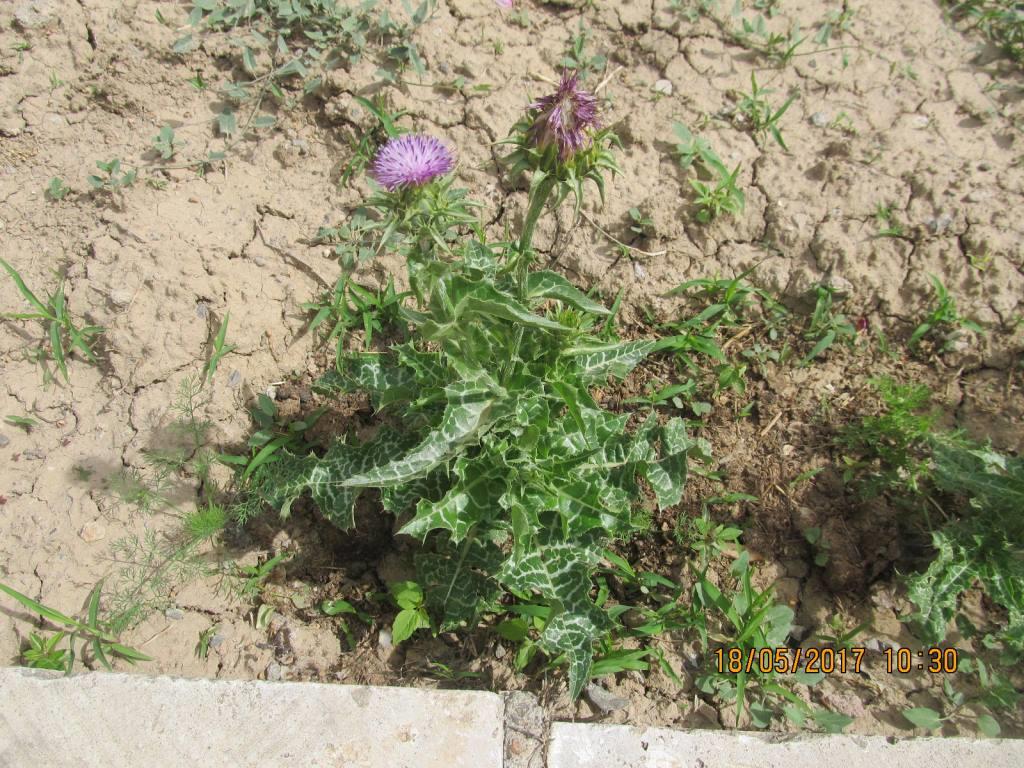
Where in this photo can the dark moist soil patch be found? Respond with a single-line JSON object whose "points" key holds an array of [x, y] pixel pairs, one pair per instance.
{"points": [[786, 436]]}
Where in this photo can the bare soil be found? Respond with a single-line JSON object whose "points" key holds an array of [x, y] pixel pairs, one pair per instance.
{"points": [[910, 113]]}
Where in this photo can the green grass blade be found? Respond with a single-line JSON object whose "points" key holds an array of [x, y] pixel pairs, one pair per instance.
{"points": [[58, 349], [47, 613], [29, 296]]}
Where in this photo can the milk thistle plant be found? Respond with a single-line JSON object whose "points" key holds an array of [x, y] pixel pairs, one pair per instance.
{"points": [[493, 450]]}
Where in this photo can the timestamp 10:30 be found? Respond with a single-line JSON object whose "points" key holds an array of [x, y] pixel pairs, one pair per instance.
{"points": [[832, 660]]}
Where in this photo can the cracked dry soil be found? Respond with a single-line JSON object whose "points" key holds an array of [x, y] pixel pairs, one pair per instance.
{"points": [[909, 114]]}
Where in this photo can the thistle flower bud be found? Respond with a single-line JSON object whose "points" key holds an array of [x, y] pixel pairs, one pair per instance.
{"points": [[564, 118]]}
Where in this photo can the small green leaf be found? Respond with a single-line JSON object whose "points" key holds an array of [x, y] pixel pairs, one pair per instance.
{"points": [[831, 722], [406, 622], [336, 607], [227, 123], [514, 630], [924, 717], [407, 594], [988, 726]]}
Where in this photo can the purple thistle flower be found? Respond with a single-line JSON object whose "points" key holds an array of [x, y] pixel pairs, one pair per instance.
{"points": [[563, 118], [411, 160], [506, 4]]}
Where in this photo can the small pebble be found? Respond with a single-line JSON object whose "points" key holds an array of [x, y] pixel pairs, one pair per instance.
{"points": [[939, 224], [274, 671], [217, 640], [663, 87], [819, 119], [120, 297], [91, 532], [34, 455], [920, 121], [384, 640], [234, 379], [639, 271], [174, 614], [202, 310], [4, 440], [603, 700]]}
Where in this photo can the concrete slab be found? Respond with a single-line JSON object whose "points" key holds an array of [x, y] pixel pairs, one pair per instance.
{"points": [[106, 720], [619, 746]]}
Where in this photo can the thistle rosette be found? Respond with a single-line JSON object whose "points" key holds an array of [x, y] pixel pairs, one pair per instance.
{"points": [[562, 142]]}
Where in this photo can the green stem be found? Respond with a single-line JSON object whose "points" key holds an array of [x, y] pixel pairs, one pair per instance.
{"points": [[462, 559], [539, 195]]}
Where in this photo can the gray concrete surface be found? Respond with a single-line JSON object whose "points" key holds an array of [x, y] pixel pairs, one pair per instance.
{"points": [[620, 746], [122, 721]]}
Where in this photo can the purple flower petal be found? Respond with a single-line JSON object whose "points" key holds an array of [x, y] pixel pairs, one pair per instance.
{"points": [[506, 4], [411, 160], [564, 118]]}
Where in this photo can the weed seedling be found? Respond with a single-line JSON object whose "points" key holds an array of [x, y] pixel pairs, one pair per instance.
{"points": [[165, 143], [762, 118], [95, 636], [826, 326], [408, 596], [24, 422], [57, 190], [203, 646], [943, 316], [115, 179], [349, 306], [577, 59], [723, 197], [642, 225], [717, 193], [888, 224], [220, 348], [64, 336], [43, 652]]}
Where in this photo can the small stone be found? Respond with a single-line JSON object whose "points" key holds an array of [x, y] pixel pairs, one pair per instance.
{"points": [[841, 287], [920, 121], [639, 271], [819, 119], [984, 166], [939, 224], [500, 651], [4, 440], [976, 196], [32, 454], [91, 532], [35, 13], [120, 297], [202, 310], [384, 640], [174, 614], [217, 640], [234, 379], [603, 700], [663, 87], [274, 672]]}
